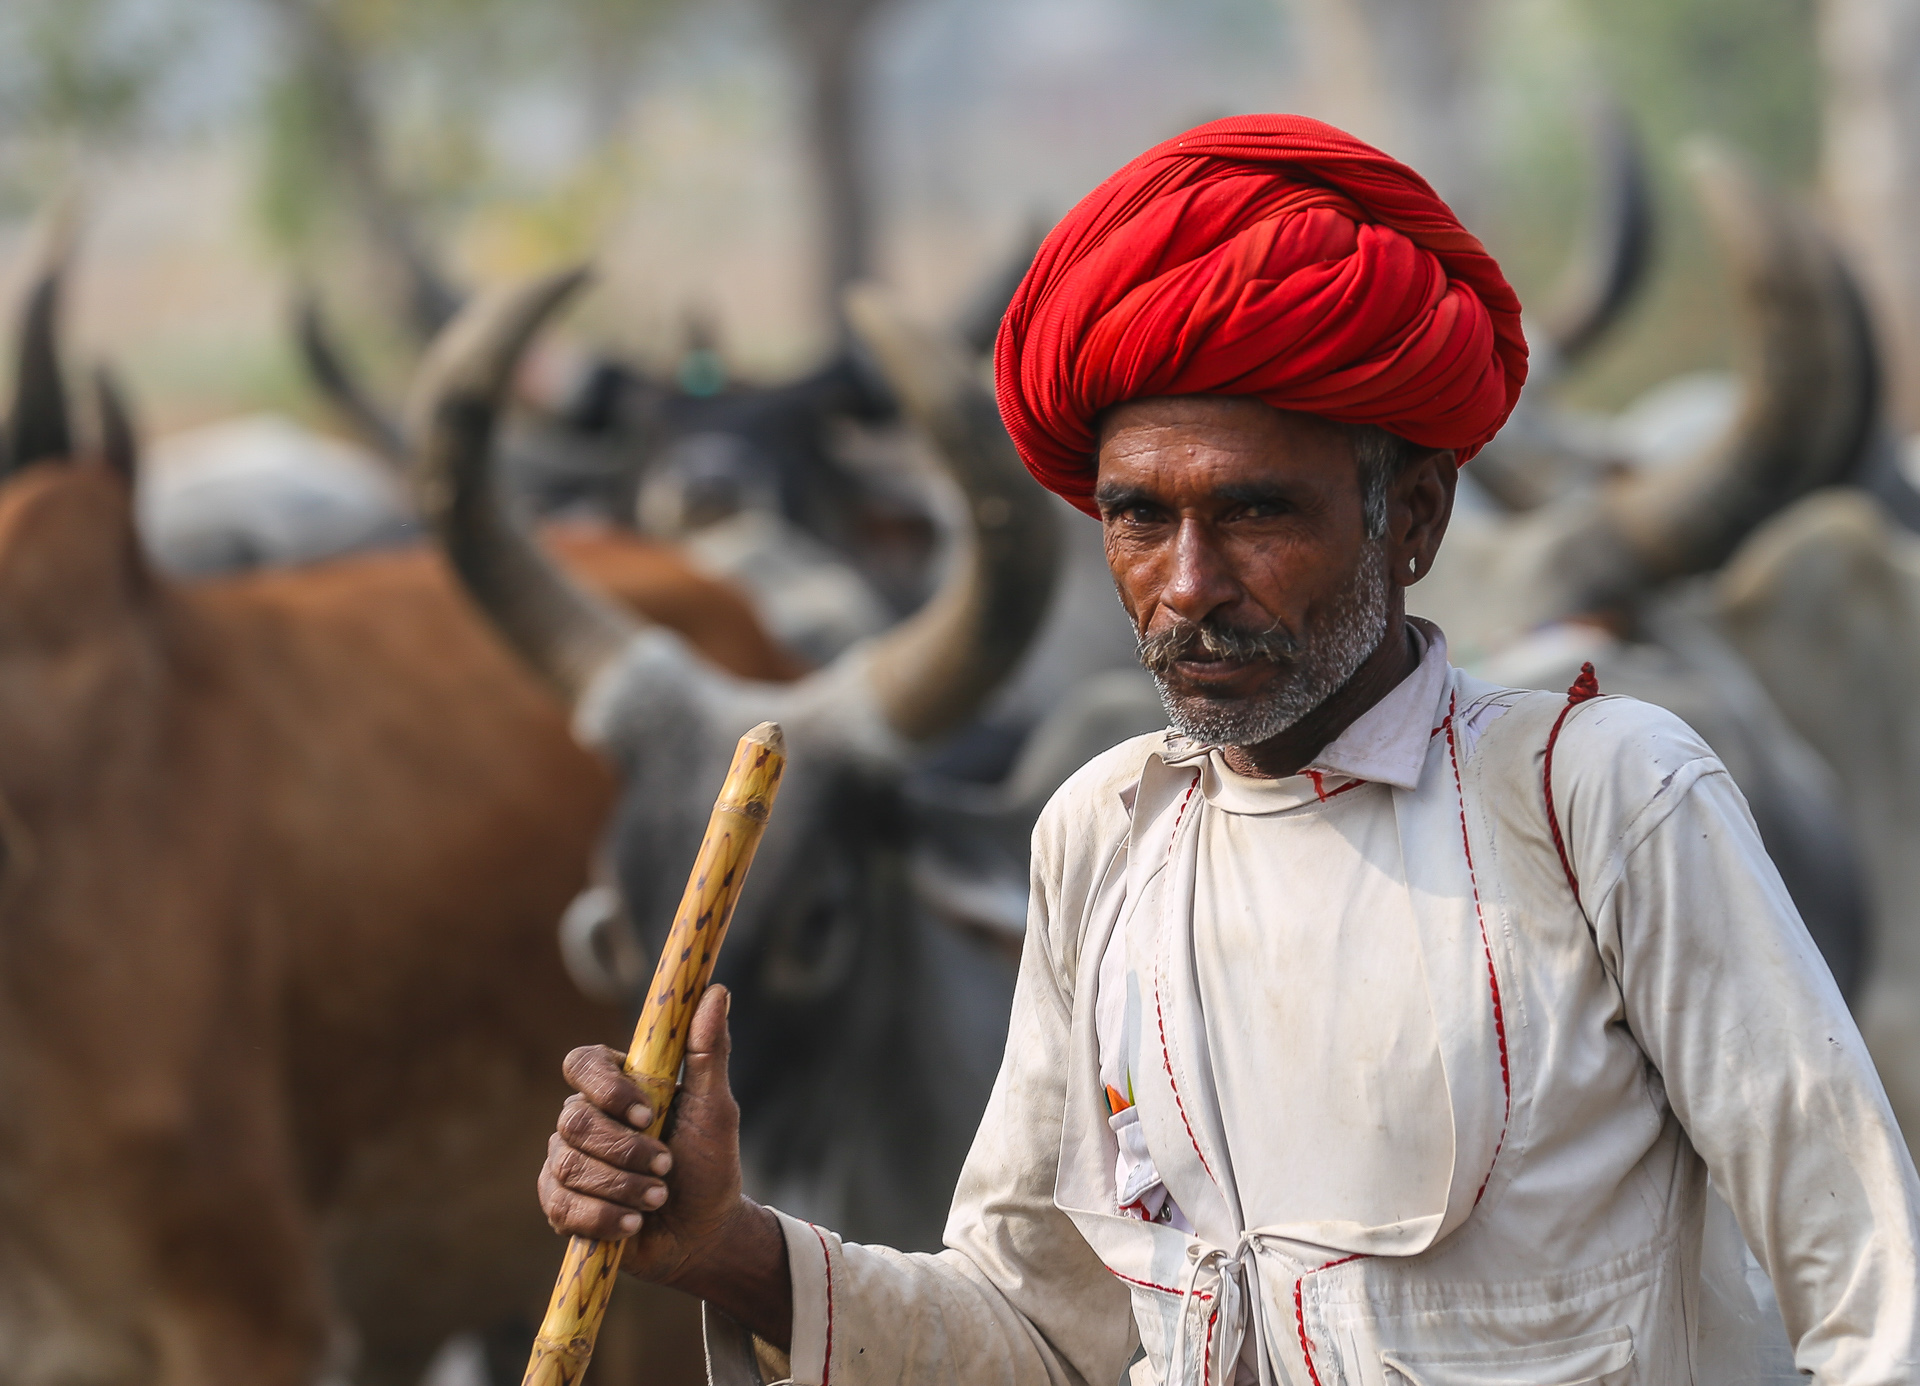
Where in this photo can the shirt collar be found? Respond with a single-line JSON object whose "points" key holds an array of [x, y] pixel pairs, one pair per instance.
{"points": [[1387, 744]]}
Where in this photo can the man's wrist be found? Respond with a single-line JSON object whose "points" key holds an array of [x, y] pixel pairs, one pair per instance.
{"points": [[742, 1271]]}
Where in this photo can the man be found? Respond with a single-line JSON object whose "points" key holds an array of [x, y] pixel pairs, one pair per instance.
{"points": [[1375, 1024]]}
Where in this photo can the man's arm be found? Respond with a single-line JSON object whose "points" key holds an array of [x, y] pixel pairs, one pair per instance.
{"points": [[1019, 1297], [1764, 1067]]}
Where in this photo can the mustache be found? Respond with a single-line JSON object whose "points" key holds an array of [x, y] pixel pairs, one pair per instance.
{"points": [[1161, 650]]}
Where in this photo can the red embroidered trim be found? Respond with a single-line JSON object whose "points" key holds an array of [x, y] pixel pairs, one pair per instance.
{"points": [[1585, 687], [826, 1367], [1180, 817], [1316, 776], [1159, 1014], [1206, 1348], [1149, 1285], [1166, 1062], [1486, 947], [1300, 1312]]}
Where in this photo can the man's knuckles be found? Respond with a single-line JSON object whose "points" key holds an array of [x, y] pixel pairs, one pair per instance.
{"points": [[595, 1071], [585, 1127]]}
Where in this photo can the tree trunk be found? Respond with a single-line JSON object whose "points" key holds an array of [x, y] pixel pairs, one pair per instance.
{"points": [[351, 143], [1870, 169], [825, 37]]}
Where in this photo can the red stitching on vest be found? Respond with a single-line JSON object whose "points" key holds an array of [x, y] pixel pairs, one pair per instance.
{"points": [[826, 1367], [1585, 687], [1166, 1062], [1300, 1312], [1149, 1285], [1206, 1349], [1486, 946], [1159, 1015], [1180, 817]]}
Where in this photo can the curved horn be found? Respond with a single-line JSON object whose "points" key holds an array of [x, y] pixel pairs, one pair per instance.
{"points": [[40, 429], [932, 672], [565, 632], [1810, 385], [1618, 249], [119, 438], [979, 324], [337, 380]]}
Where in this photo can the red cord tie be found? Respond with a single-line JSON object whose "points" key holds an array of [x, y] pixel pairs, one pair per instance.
{"points": [[1585, 687]]}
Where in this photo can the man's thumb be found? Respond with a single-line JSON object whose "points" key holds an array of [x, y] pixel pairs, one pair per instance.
{"points": [[708, 1044]]}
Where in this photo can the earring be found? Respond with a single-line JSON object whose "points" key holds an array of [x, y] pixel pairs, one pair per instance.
{"points": [[1413, 567]]}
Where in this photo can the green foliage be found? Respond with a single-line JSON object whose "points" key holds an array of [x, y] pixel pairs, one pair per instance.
{"points": [[82, 67], [1744, 71], [1747, 70], [296, 183]]}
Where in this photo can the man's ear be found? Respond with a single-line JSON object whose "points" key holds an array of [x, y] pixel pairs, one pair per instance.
{"points": [[1419, 504]]}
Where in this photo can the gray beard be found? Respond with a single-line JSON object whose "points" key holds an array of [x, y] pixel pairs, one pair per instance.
{"points": [[1320, 664]]}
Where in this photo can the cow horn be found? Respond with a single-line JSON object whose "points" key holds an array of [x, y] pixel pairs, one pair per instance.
{"points": [[40, 429], [1613, 261], [321, 354], [979, 323], [119, 438], [932, 672], [565, 632], [1810, 384]]}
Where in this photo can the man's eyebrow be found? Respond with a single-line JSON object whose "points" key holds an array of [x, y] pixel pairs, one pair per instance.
{"points": [[1114, 496], [1253, 493]]}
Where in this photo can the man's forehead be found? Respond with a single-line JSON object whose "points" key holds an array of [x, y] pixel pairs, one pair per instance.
{"points": [[1175, 411], [1215, 440]]}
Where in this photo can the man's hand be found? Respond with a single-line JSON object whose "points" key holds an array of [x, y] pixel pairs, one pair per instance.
{"points": [[678, 1203]]}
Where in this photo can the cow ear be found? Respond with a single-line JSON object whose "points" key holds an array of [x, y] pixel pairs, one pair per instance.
{"points": [[71, 565]]}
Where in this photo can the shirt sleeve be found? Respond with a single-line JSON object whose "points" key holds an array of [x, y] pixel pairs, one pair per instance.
{"points": [[1018, 1296], [1764, 1067]]}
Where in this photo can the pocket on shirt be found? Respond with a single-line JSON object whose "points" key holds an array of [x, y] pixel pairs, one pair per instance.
{"points": [[1593, 1359]]}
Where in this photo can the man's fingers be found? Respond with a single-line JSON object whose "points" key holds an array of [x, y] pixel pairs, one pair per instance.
{"points": [[596, 1073], [708, 1045], [578, 1215], [581, 1173], [591, 1131]]}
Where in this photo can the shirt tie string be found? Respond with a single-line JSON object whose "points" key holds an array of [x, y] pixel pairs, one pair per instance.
{"points": [[1236, 1282]]}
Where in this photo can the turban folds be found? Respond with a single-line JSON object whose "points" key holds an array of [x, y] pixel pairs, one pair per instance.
{"points": [[1263, 255]]}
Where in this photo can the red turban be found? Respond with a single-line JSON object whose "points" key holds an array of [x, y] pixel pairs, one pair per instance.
{"points": [[1263, 255]]}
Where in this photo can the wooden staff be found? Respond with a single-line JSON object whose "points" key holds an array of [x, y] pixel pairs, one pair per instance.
{"points": [[564, 1344]]}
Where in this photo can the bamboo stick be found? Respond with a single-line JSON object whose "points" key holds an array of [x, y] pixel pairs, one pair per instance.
{"points": [[564, 1345]]}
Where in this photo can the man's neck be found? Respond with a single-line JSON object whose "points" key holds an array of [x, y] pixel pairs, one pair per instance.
{"points": [[1393, 659]]}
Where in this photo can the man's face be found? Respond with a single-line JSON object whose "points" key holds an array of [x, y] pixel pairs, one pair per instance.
{"points": [[1238, 543]]}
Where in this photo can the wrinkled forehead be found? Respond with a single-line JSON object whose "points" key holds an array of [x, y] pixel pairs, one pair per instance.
{"points": [[1188, 443]]}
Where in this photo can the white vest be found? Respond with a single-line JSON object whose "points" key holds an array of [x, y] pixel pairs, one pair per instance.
{"points": [[1329, 1300]]}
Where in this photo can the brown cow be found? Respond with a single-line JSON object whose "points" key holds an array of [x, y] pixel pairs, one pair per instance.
{"points": [[277, 855]]}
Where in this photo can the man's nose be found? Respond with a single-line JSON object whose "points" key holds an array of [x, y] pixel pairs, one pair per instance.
{"points": [[1199, 580]]}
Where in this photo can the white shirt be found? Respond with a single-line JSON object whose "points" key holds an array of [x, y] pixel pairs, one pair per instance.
{"points": [[1294, 919], [1433, 1115]]}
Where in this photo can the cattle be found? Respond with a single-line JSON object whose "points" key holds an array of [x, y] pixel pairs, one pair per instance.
{"points": [[280, 856], [263, 491], [1603, 567], [1823, 603], [866, 1031]]}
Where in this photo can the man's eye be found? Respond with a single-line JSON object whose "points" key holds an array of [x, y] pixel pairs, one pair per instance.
{"points": [[1262, 510]]}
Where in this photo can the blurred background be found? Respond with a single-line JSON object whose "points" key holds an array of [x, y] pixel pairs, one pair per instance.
{"points": [[728, 163], [368, 856]]}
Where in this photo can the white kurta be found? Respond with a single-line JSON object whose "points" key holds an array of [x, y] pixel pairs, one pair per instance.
{"points": [[1425, 1115]]}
